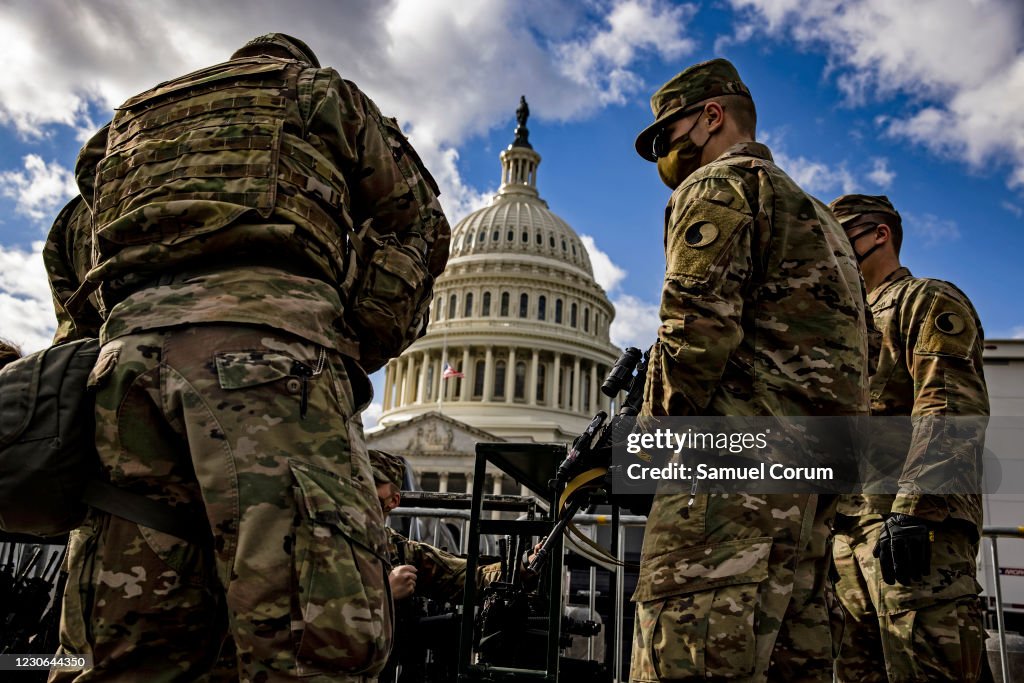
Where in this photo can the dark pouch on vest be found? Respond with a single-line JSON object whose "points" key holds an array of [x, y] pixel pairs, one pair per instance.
{"points": [[387, 311]]}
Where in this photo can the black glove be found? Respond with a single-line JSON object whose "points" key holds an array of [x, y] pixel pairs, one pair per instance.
{"points": [[904, 549]]}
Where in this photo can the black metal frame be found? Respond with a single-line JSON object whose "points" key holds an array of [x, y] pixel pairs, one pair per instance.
{"points": [[532, 465]]}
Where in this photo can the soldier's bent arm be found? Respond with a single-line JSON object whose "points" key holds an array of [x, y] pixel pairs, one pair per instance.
{"points": [[943, 352], [387, 181], [708, 265]]}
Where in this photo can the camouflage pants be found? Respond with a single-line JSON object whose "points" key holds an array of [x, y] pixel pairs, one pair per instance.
{"points": [[732, 588], [256, 431], [929, 632]]}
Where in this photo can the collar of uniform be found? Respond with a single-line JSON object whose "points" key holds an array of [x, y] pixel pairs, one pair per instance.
{"points": [[895, 276], [748, 149]]}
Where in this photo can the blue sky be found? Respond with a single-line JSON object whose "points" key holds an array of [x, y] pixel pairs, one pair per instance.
{"points": [[922, 100]]}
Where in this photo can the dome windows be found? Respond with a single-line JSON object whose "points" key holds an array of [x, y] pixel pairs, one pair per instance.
{"points": [[499, 379], [467, 309], [519, 391], [486, 311], [524, 305], [542, 305], [504, 305]]}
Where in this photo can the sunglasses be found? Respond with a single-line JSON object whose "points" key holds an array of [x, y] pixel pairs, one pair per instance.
{"points": [[662, 141]]}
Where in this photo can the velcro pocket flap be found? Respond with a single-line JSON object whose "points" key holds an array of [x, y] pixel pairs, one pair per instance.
{"points": [[333, 501], [948, 329], [691, 570], [240, 369], [698, 238]]}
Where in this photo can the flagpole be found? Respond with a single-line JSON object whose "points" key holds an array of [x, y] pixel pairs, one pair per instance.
{"points": [[440, 375]]}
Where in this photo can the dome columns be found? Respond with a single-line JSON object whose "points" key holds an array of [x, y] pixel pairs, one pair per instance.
{"points": [[511, 375]]}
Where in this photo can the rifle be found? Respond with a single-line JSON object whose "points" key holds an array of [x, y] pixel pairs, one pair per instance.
{"points": [[590, 455], [512, 622]]}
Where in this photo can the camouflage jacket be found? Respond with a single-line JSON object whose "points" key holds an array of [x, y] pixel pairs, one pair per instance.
{"points": [[929, 365], [762, 311], [233, 194], [67, 256], [440, 576]]}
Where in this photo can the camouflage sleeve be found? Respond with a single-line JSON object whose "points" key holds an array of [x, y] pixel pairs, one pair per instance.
{"points": [[88, 158], [944, 355], [440, 576], [389, 183], [67, 257], [708, 263]]}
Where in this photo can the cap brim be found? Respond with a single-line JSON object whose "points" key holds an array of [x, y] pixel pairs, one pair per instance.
{"points": [[645, 141]]}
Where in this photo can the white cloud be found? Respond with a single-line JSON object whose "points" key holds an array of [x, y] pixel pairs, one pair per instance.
{"points": [[1013, 208], [1018, 332], [931, 230], [26, 307], [449, 70], [961, 64], [601, 60], [880, 173], [39, 189], [372, 414], [813, 176], [636, 322], [607, 274]]}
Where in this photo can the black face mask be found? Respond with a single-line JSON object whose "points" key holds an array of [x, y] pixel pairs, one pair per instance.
{"points": [[853, 241]]}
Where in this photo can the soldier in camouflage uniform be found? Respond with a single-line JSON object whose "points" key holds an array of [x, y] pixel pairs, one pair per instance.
{"points": [[924, 625], [237, 215], [419, 568], [762, 314]]}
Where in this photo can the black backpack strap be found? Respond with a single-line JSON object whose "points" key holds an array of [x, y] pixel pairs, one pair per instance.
{"points": [[137, 508]]}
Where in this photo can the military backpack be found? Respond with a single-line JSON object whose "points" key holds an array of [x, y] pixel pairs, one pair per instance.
{"points": [[49, 469]]}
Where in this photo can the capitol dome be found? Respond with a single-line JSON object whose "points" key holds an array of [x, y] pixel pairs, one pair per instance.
{"points": [[517, 312]]}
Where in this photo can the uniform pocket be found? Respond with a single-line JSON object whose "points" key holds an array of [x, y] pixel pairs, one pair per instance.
{"points": [[696, 611], [242, 369], [388, 309], [343, 599], [75, 635]]}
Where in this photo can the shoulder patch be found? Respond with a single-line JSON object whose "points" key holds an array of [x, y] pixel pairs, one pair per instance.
{"points": [[699, 237], [947, 329]]}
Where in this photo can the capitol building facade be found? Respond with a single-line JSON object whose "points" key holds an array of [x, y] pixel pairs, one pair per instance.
{"points": [[517, 344]]}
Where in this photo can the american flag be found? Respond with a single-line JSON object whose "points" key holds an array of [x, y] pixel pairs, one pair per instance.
{"points": [[449, 371]]}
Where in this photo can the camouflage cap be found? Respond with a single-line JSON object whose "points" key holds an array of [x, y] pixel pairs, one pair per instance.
{"points": [[696, 84], [293, 46], [849, 207], [387, 468]]}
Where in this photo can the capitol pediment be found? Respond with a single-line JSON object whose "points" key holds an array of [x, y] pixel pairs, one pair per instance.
{"points": [[432, 433]]}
